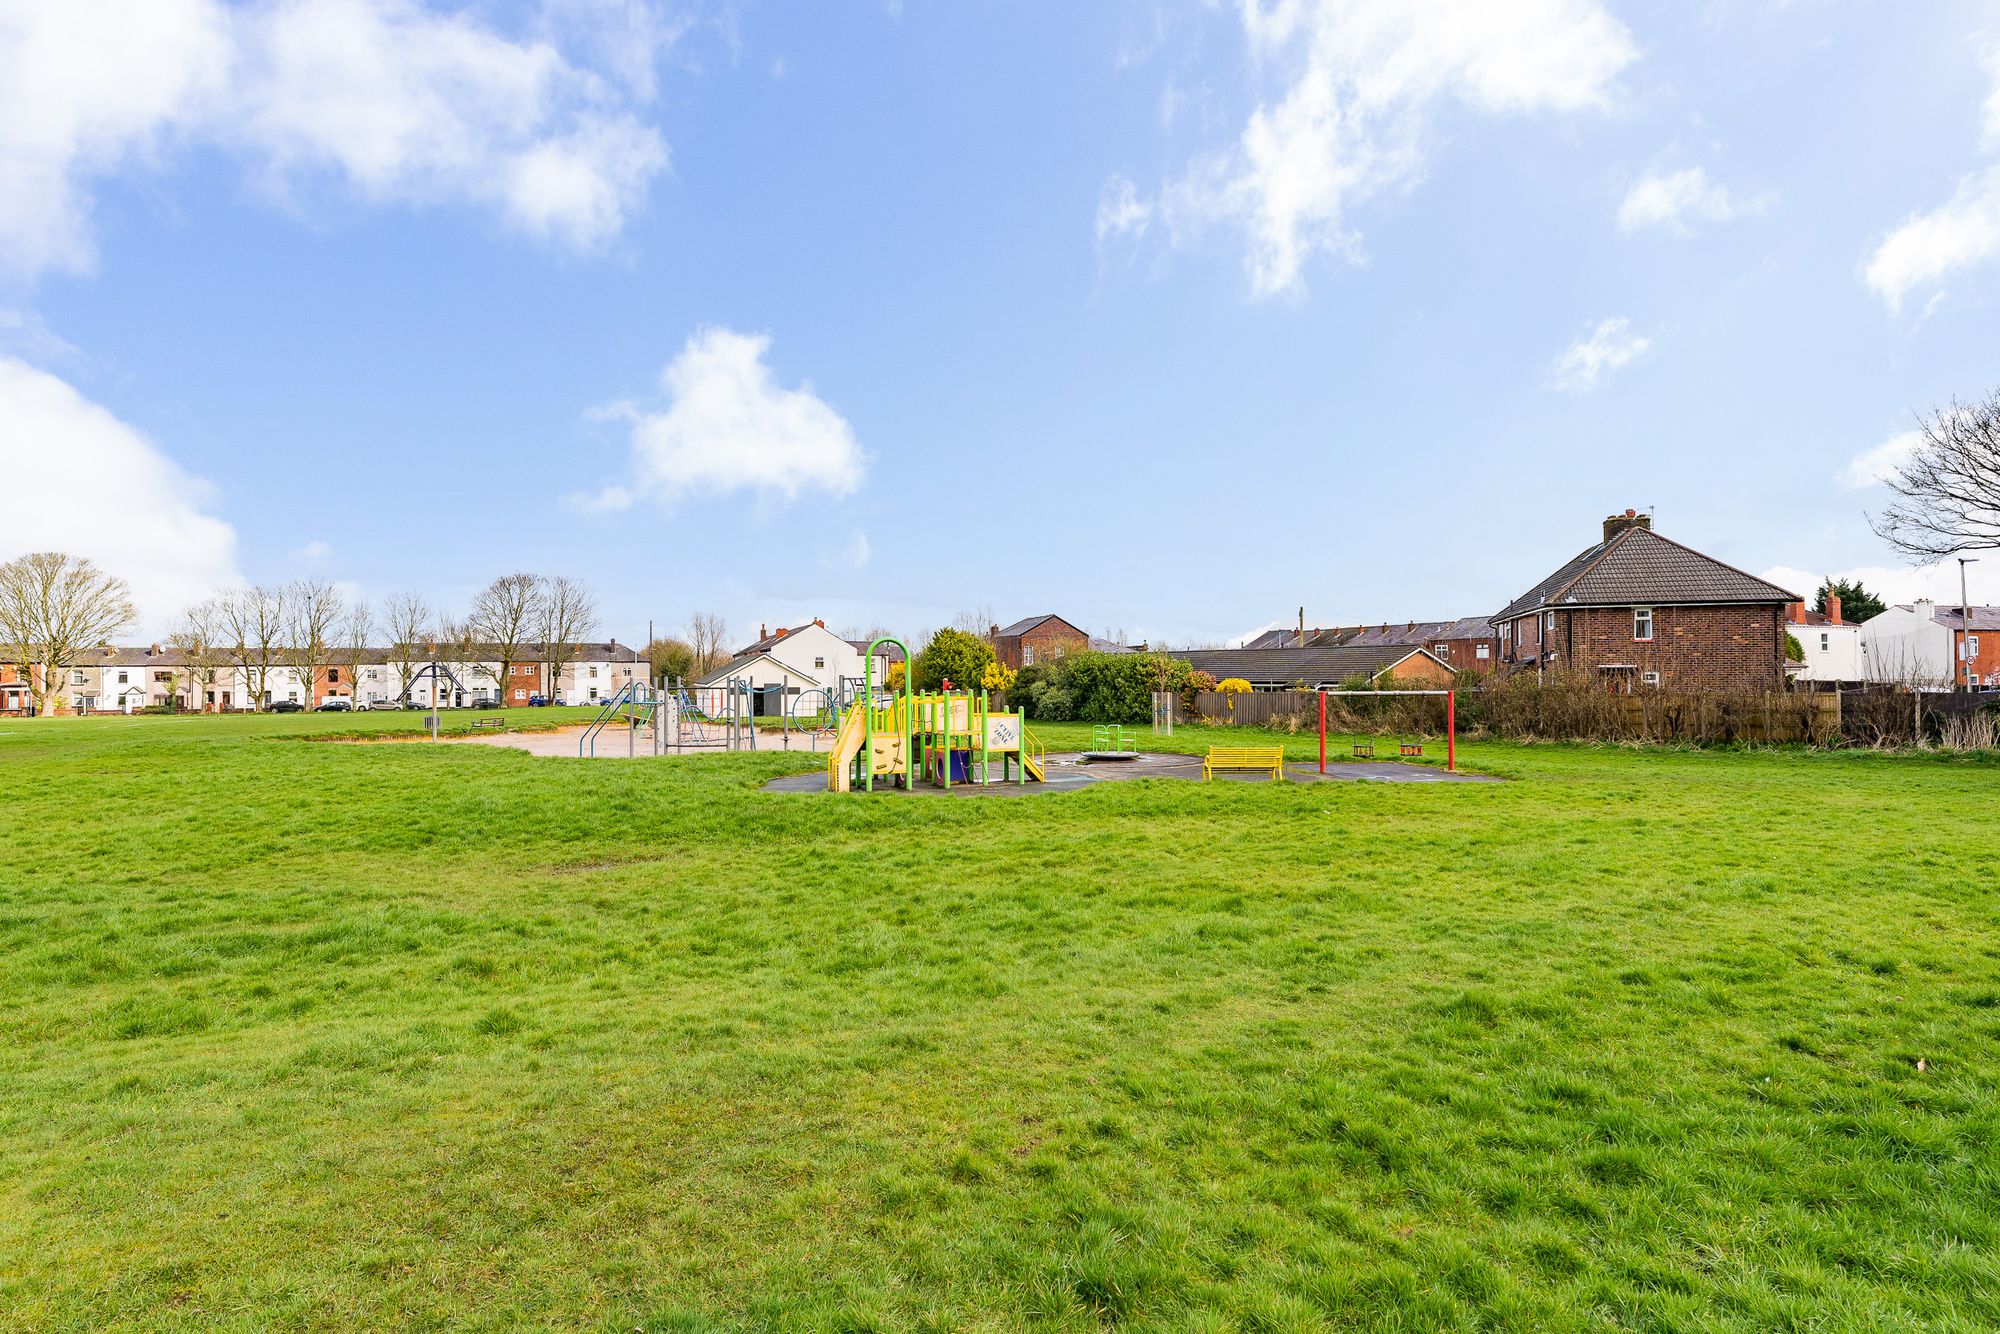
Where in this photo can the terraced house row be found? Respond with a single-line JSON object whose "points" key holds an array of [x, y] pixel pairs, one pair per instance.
{"points": [[124, 679]]}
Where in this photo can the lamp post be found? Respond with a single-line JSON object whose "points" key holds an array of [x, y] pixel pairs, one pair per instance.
{"points": [[1964, 623], [430, 647]]}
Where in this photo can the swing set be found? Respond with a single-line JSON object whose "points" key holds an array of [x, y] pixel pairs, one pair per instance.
{"points": [[1410, 747]]}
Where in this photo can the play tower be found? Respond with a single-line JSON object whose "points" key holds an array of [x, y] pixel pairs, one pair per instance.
{"points": [[946, 738]]}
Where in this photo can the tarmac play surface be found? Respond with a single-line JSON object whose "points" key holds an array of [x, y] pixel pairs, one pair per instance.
{"points": [[1071, 771]]}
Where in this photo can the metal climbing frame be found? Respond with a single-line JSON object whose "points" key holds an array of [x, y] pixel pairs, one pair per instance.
{"points": [[668, 714]]}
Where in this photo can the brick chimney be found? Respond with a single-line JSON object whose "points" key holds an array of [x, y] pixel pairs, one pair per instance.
{"points": [[763, 631], [1833, 609], [1618, 523], [1795, 612], [993, 631], [818, 622]]}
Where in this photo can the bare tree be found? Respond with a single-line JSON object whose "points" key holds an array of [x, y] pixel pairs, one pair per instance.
{"points": [[506, 616], [410, 625], [314, 611], [360, 624], [569, 614], [1948, 489], [458, 645], [706, 634], [53, 609], [978, 623], [253, 621], [199, 652]]}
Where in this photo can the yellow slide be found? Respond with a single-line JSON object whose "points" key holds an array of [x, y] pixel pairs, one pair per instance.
{"points": [[839, 764]]}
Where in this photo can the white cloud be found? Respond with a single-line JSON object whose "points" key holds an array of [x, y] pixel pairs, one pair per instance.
{"points": [[1927, 247], [728, 426], [1899, 583], [313, 553], [1675, 200], [1361, 80], [82, 481], [28, 334], [1991, 119], [1872, 465], [85, 88], [1120, 211], [382, 99], [1609, 346]]}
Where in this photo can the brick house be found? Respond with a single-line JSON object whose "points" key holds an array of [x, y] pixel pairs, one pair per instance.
{"points": [[1928, 644], [1036, 639], [1640, 610], [16, 696]]}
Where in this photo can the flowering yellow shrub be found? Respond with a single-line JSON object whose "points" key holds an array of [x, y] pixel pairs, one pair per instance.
{"points": [[996, 677], [1233, 685]]}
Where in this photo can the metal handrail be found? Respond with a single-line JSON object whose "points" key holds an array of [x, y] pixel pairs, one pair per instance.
{"points": [[603, 716]]}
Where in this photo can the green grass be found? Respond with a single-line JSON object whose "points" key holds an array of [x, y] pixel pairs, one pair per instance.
{"points": [[303, 1035]]}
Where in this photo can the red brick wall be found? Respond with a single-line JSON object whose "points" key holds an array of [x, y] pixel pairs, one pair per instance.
{"points": [[1050, 639], [524, 680], [1985, 663], [1463, 654], [1693, 648]]}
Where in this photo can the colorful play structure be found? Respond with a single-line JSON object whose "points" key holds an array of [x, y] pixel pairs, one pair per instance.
{"points": [[945, 738]]}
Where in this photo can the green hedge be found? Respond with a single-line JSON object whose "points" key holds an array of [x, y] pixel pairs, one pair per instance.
{"points": [[1103, 687]]}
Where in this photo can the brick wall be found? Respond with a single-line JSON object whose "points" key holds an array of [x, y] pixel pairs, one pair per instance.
{"points": [[1985, 663], [1693, 648], [1463, 654], [1051, 639]]}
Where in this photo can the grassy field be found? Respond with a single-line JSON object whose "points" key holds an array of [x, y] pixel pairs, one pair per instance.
{"points": [[306, 1035]]}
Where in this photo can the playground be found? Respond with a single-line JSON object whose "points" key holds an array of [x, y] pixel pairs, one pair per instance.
{"points": [[1073, 771]]}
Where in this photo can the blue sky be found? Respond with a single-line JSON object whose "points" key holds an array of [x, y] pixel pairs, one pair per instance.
{"points": [[1167, 317]]}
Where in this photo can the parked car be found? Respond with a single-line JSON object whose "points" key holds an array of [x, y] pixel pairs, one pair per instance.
{"points": [[285, 706], [416, 704], [539, 701], [334, 706]]}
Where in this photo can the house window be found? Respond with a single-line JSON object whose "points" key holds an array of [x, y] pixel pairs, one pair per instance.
{"points": [[1027, 655], [1480, 652], [121, 678], [1971, 647], [1642, 623], [593, 676], [332, 675], [1649, 678], [519, 693], [1825, 642], [819, 664], [76, 678]]}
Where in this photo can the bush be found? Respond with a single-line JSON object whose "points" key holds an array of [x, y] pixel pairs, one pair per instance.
{"points": [[1101, 687], [1232, 685], [956, 656], [1052, 704]]}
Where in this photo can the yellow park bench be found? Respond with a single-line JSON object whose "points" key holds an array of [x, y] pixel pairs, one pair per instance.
{"points": [[1261, 759]]}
